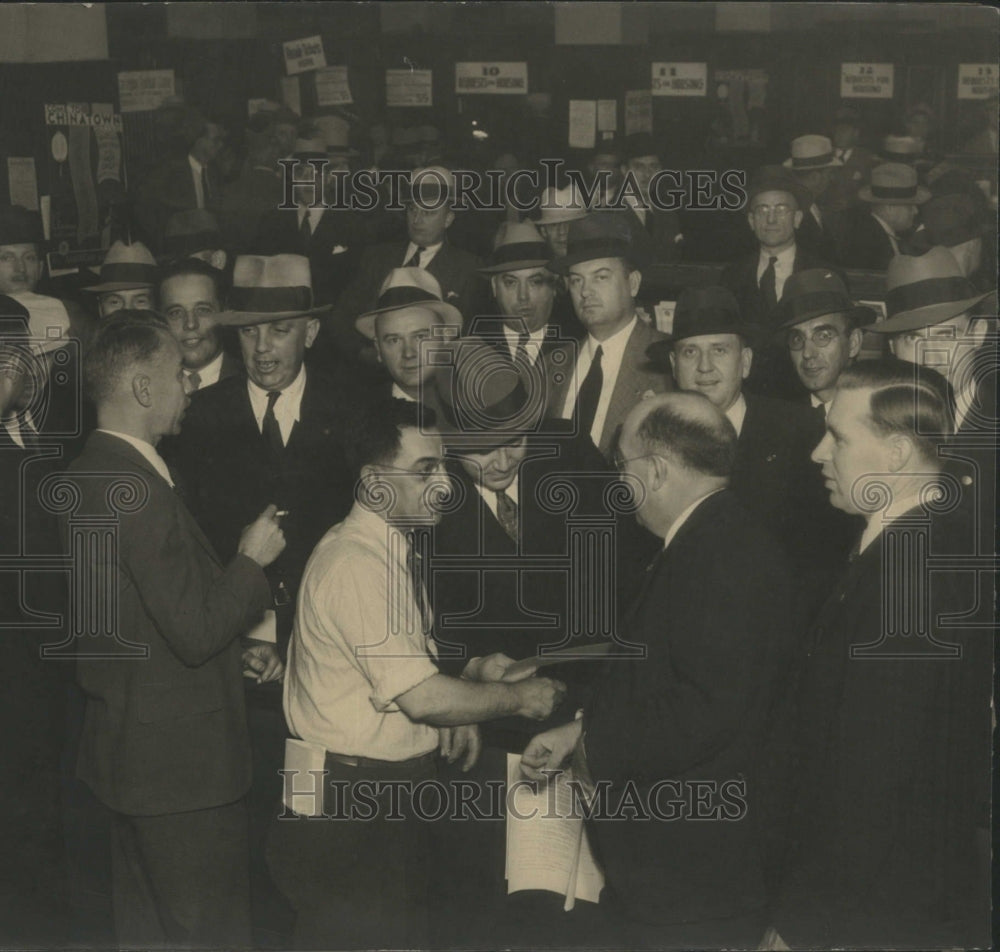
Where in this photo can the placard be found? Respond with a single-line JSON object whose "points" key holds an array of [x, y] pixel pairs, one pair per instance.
{"points": [[582, 123], [866, 80], [332, 88], [408, 87], [638, 111], [680, 79], [304, 55], [978, 80], [607, 115], [143, 90], [23, 182], [491, 78]]}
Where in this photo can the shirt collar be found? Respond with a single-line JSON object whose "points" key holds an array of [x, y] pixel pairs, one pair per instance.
{"points": [[785, 258], [147, 450], [614, 347], [288, 407], [400, 394], [896, 508], [196, 166], [208, 374], [737, 413], [816, 402]]}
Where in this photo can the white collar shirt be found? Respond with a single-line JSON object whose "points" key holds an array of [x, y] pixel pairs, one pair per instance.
{"points": [[197, 171], [426, 256], [286, 408], [208, 374], [782, 267], [737, 413], [532, 346]]}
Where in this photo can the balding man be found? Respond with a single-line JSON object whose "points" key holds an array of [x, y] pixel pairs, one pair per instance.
{"points": [[714, 617]]}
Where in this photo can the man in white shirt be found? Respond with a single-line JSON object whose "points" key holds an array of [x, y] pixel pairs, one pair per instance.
{"points": [[364, 692], [609, 376]]}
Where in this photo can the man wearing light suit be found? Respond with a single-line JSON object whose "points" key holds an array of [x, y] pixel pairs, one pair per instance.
{"points": [[164, 741], [611, 372]]}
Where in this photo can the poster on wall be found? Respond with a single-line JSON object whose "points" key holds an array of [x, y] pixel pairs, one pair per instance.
{"points": [[582, 123], [491, 78], [332, 87], [607, 115], [22, 181], [978, 80], [408, 87], [680, 79], [86, 180], [145, 89], [638, 111], [302, 56], [866, 80]]}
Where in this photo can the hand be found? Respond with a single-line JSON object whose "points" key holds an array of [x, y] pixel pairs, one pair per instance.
{"points": [[493, 668], [539, 697], [550, 750], [456, 741], [263, 540], [262, 661]]}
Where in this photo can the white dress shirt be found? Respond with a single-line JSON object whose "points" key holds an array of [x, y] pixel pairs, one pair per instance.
{"points": [[209, 374], [314, 215], [286, 407], [737, 413], [357, 645], [612, 352], [148, 451], [426, 256], [400, 394], [199, 185], [816, 402], [782, 267], [532, 346]]}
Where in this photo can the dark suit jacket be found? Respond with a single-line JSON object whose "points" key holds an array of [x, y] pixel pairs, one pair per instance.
{"points": [[894, 757], [659, 237], [715, 617], [166, 733], [243, 203], [229, 477], [814, 239], [635, 377], [168, 189], [866, 245]]}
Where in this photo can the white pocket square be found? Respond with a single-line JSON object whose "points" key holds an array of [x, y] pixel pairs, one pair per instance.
{"points": [[338, 249]]}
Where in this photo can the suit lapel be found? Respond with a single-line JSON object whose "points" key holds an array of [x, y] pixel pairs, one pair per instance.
{"points": [[626, 393]]}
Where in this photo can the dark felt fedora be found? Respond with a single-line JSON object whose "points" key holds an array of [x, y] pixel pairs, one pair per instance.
{"points": [[702, 311], [815, 293], [599, 234], [776, 178], [20, 226]]}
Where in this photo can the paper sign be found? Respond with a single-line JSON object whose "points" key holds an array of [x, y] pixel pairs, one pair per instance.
{"points": [[291, 94], [978, 80], [408, 87], [607, 115], [304, 55], [866, 80], [638, 111], [144, 90], [663, 315], [680, 79], [494, 78], [332, 88], [109, 153], [23, 182], [255, 105], [582, 123]]}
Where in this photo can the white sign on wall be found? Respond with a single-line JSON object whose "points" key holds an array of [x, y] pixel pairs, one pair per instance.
{"points": [[408, 87], [680, 79], [491, 78], [866, 80], [143, 90], [978, 80], [303, 55], [332, 87]]}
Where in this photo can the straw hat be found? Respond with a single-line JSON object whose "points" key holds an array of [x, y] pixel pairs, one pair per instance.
{"points": [[405, 288], [269, 288]]}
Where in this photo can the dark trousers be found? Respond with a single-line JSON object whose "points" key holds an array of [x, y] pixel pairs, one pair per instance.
{"points": [[357, 879], [181, 880]]}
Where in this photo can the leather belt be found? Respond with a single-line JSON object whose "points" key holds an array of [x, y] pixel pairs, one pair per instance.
{"points": [[370, 763]]}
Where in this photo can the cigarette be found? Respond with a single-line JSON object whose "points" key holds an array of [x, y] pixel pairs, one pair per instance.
{"points": [[280, 513]]}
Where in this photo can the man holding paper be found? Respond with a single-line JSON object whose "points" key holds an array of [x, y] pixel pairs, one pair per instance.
{"points": [[678, 733]]}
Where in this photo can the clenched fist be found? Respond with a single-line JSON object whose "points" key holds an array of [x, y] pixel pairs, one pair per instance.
{"points": [[539, 697]]}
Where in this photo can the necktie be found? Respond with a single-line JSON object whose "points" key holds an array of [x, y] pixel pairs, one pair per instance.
{"points": [[521, 353], [305, 229], [269, 428], [194, 379], [507, 514], [769, 284], [415, 567], [206, 191], [414, 259], [840, 153], [590, 394], [29, 435]]}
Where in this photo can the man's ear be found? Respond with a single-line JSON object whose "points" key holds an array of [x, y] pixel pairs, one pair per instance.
{"points": [[140, 390], [661, 470], [448, 219], [797, 220], [901, 451], [854, 340], [746, 362], [312, 329], [494, 284], [634, 282]]}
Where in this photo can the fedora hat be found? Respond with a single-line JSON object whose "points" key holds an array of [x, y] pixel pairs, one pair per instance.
{"points": [[20, 226], [776, 178], [810, 153], [269, 288], [191, 231], [125, 268], [559, 205], [485, 398], [815, 293], [335, 133], [405, 288], [924, 290], [902, 148], [894, 184], [517, 245], [950, 220], [599, 234], [430, 185]]}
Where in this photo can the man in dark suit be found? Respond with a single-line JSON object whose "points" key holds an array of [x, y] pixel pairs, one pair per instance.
{"points": [[428, 217], [711, 352], [715, 619], [889, 835], [775, 207], [657, 228], [611, 372], [813, 164], [164, 742], [191, 298]]}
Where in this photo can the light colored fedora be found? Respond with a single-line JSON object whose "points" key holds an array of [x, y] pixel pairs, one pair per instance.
{"points": [[517, 245], [404, 288], [335, 132], [125, 268], [810, 153], [894, 184], [559, 205], [925, 290], [902, 148], [269, 288]]}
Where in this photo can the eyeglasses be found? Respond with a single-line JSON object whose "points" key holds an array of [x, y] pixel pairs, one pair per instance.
{"points": [[821, 337], [620, 462], [779, 211], [426, 472]]}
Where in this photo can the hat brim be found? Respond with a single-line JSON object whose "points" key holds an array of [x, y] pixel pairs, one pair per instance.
{"points": [[119, 286], [559, 216], [860, 315], [250, 318], [562, 264], [865, 195], [926, 316], [448, 313], [660, 350], [789, 164], [521, 265]]}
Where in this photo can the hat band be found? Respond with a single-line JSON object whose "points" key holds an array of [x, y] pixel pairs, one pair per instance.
{"points": [[909, 297], [702, 320], [521, 251], [804, 163], [894, 191], [403, 296], [132, 272], [270, 300], [197, 241], [819, 303]]}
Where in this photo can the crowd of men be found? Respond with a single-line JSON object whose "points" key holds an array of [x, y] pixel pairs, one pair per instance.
{"points": [[354, 472]]}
